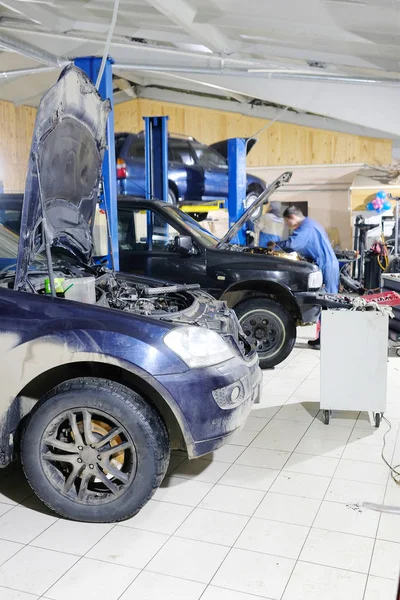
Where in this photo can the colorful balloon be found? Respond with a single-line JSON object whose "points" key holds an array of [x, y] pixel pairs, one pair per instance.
{"points": [[370, 206], [387, 205], [381, 195]]}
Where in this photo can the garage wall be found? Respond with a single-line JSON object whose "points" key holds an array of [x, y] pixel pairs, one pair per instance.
{"points": [[281, 144], [16, 128]]}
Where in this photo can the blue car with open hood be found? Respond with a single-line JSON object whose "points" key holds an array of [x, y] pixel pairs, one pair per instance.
{"points": [[108, 372]]}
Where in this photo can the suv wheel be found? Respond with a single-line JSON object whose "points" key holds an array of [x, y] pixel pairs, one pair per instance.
{"points": [[93, 450], [171, 197], [269, 327]]}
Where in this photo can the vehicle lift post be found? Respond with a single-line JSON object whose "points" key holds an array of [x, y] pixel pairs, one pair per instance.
{"points": [[237, 182], [156, 164], [108, 200]]}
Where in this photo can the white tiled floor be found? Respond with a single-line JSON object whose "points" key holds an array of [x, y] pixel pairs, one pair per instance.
{"points": [[277, 515]]}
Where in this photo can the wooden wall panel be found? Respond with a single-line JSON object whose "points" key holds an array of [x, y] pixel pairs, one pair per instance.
{"points": [[281, 144], [16, 128]]}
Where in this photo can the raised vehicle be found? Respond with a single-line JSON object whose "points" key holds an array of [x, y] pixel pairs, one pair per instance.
{"points": [[99, 384], [196, 172]]}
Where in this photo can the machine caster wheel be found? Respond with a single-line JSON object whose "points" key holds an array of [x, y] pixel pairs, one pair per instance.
{"points": [[327, 416], [378, 418]]}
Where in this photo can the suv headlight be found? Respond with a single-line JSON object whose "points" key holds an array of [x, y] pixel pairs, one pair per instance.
{"points": [[315, 280], [198, 347]]}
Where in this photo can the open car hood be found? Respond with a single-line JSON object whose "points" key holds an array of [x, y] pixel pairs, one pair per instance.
{"points": [[64, 171], [262, 199], [222, 146]]}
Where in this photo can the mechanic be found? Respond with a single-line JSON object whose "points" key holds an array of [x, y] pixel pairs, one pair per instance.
{"points": [[310, 239]]}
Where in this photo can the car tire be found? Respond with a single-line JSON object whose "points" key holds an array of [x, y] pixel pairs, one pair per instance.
{"points": [[251, 197], [171, 197], [91, 481], [199, 217], [270, 327]]}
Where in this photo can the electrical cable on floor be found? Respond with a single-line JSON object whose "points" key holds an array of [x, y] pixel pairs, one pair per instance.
{"points": [[394, 470], [108, 43]]}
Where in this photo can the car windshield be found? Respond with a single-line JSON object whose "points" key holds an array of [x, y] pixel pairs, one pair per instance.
{"points": [[196, 231]]}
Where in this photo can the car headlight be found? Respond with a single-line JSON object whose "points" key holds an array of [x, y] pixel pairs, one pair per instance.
{"points": [[198, 347], [315, 280]]}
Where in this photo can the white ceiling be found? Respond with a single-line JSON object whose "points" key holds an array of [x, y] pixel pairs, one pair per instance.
{"points": [[336, 58]]}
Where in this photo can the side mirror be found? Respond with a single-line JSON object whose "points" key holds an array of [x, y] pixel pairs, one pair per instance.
{"points": [[184, 244]]}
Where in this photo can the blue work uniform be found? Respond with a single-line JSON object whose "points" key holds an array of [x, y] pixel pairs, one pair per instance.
{"points": [[311, 240]]}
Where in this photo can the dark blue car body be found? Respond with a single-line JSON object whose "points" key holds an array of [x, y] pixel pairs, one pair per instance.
{"points": [[196, 172]]}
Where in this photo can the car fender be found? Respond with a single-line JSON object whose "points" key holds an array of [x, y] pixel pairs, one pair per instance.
{"points": [[241, 290]]}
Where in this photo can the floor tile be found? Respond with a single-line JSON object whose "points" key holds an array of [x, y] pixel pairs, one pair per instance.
{"points": [[340, 550], [188, 559], [34, 570], [153, 586], [389, 528], [347, 518], [316, 582], [235, 500], [8, 594], [261, 457], [201, 470], [254, 573], [255, 424], [374, 436], [299, 484], [5, 508], [254, 478], [8, 549], [182, 491], [128, 547], [280, 435], [363, 452], [364, 472], [288, 509], [273, 537], [160, 517], [318, 446], [22, 524], [174, 462], [216, 593], [326, 432], [311, 465], [386, 560], [380, 589], [354, 492], [226, 454], [72, 537], [212, 526], [87, 576], [243, 437], [304, 412]]}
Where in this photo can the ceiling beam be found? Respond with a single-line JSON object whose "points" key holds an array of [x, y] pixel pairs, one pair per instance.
{"points": [[22, 47], [181, 13]]}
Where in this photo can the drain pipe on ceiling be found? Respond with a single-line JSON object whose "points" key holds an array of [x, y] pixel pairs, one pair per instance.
{"points": [[21, 72], [264, 73], [42, 56]]}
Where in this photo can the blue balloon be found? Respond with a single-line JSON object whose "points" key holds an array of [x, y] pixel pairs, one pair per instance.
{"points": [[370, 206], [387, 205], [381, 195]]}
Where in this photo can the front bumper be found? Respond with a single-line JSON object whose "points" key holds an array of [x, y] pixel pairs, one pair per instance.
{"points": [[210, 413], [310, 309]]}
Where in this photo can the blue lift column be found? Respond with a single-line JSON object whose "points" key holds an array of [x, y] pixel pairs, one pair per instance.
{"points": [[156, 165], [91, 66], [236, 182]]}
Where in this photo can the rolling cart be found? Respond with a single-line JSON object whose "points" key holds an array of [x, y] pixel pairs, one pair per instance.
{"points": [[354, 353]]}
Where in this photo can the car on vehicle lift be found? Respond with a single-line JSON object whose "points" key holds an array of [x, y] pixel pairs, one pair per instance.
{"points": [[196, 173], [95, 394], [271, 291]]}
